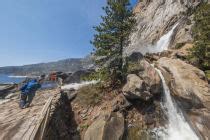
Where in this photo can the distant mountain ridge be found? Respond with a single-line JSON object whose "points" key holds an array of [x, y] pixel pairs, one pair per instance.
{"points": [[66, 65]]}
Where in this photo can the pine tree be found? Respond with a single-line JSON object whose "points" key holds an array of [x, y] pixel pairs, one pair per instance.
{"points": [[200, 53], [111, 38]]}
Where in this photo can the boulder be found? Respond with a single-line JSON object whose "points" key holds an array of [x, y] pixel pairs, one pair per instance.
{"points": [[135, 88], [134, 62], [135, 56], [146, 72], [151, 78], [107, 127], [143, 81]]}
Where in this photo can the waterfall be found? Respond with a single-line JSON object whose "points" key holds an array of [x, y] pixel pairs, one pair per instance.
{"points": [[161, 45], [163, 42], [177, 128]]}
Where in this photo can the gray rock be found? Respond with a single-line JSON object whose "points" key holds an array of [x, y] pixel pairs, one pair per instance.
{"points": [[135, 89], [147, 73], [155, 18], [151, 78]]}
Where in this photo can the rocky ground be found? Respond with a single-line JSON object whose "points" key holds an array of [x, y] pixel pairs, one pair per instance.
{"points": [[134, 112]]}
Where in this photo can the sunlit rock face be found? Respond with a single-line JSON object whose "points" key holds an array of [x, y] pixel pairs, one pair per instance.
{"points": [[157, 17]]}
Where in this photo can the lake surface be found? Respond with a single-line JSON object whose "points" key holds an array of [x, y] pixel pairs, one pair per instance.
{"points": [[11, 79]]}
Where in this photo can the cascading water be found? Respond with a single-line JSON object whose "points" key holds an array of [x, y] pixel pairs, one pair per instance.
{"points": [[177, 128], [161, 45], [163, 42]]}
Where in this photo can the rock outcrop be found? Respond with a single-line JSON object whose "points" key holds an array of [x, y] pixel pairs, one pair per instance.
{"points": [[156, 17], [187, 83], [106, 127], [135, 88], [143, 82]]}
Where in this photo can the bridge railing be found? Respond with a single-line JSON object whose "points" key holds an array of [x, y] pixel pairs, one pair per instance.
{"points": [[40, 127]]}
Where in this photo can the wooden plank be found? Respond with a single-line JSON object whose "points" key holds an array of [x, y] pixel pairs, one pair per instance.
{"points": [[42, 116]]}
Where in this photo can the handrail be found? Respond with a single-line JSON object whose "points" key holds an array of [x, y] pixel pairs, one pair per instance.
{"points": [[39, 128]]}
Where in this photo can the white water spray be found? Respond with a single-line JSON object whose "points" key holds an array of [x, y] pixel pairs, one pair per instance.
{"points": [[163, 42], [177, 128], [78, 85], [161, 45]]}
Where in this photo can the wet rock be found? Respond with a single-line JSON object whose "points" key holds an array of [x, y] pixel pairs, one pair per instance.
{"points": [[107, 127]]}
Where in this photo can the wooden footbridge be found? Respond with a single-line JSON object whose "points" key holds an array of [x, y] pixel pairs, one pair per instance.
{"points": [[29, 123]]}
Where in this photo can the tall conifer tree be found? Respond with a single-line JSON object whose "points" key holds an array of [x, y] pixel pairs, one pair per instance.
{"points": [[111, 38]]}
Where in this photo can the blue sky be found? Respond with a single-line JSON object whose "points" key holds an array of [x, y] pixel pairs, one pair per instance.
{"points": [[34, 31]]}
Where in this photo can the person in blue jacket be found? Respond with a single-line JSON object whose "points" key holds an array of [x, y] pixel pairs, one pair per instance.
{"points": [[28, 92]]}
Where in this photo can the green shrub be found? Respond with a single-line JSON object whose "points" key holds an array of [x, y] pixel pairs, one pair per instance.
{"points": [[89, 95], [200, 53], [207, 74], [134, 67]]}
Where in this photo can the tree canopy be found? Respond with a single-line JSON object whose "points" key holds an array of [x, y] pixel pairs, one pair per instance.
{"points": [[112, 35]]}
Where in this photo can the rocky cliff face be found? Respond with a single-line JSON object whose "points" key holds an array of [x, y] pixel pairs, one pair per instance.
{"points": [[187, 84], [156, 17]]}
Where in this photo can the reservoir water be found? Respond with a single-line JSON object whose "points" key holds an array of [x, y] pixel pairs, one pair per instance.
{"points": [[5, 79]]}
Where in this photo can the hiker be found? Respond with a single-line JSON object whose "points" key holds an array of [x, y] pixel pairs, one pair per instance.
{"points": [[28, 92]]}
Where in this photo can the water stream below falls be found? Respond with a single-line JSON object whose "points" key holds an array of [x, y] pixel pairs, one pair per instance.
{"points": [[177, 127]]}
